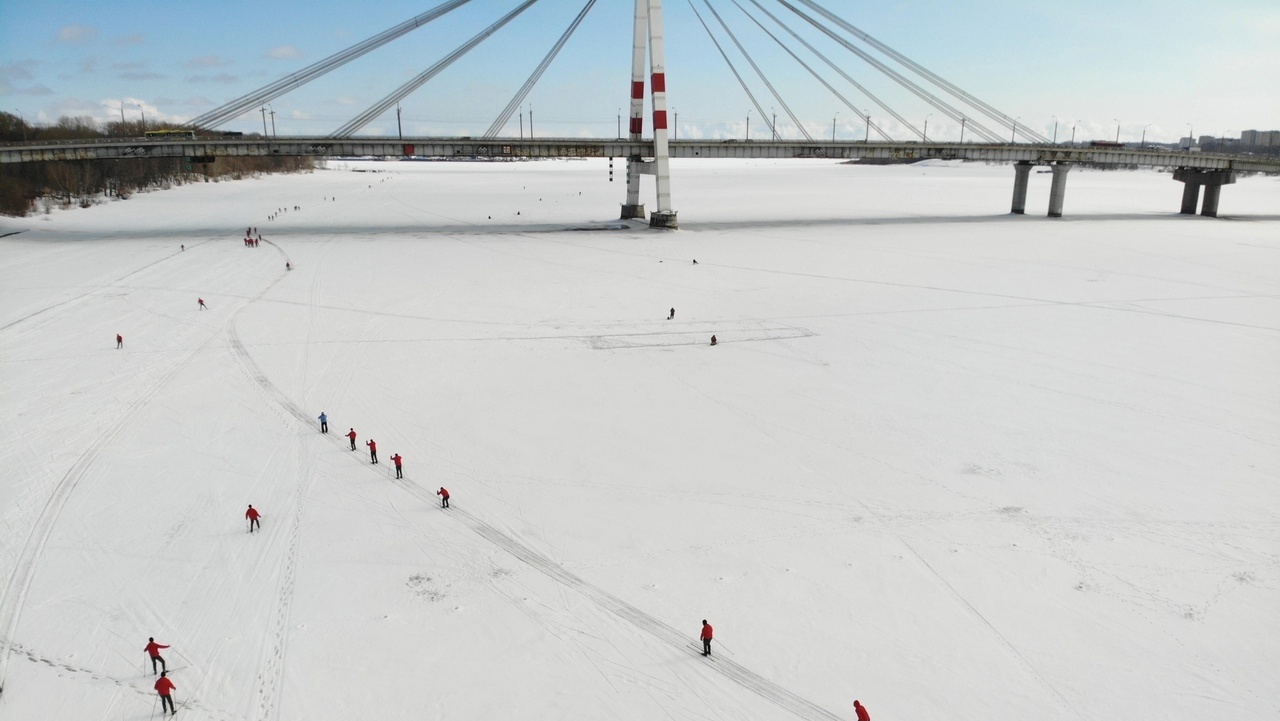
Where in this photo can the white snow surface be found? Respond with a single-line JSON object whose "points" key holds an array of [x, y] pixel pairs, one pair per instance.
{"points": [[952, 462]]}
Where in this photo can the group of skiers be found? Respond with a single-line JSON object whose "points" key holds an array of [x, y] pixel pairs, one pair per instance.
{"points": [[372, 445]]}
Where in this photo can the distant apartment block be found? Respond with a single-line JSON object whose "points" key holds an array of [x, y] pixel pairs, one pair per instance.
{"points": [[1261, 138]]}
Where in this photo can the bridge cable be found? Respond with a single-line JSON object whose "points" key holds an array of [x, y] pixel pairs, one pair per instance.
{"points": [[507, 112], [928, 74], [401, 92], [732, 69], [856, 110], [270, 92], [786, 108], [934, 101]]}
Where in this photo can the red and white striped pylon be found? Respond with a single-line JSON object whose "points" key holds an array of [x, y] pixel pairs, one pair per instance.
{"points": [[648, 17]]}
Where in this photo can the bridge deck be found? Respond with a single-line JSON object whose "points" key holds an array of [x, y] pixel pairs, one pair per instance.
{"points": [[514, 148]]}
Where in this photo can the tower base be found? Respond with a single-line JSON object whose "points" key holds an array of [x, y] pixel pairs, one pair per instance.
{"points": [[660, 219], [632, 211]]}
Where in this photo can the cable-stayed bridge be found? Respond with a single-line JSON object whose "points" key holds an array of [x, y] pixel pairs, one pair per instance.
{"points": [[993, 135]]}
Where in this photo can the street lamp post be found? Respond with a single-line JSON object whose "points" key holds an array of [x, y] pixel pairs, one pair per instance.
{"points": [[522, 122], [1191, 136], [675, 124], [748, 123], [619, 123], [1074, 123], [1143, 143], [531, 122], [833, 126], [264, 120], [774, 125], [926, 127], [1013, 135], [1117, 129], [272, 113], [399, 125], [868, 138], [962, 122], [144, 115], [1055, 129], [122, 112]]}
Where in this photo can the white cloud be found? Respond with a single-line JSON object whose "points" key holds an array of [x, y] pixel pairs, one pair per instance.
{"points": [[284, 51], [76, 34]]}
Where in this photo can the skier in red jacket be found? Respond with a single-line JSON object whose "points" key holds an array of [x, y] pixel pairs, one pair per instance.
{"points": [[253, 516], [351, 435], [861, 711], [164, 687], [444, 496], [396, 459], [373, 450], [153, 649], [201, 302], [119, 341], [707, 634]]}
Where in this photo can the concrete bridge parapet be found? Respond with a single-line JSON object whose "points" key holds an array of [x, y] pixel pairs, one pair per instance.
{"points": [[1212, 180]]}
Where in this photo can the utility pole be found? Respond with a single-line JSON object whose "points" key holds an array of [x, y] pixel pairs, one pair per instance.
{"points": [[272, 113], [264, 120], [399, 127]]}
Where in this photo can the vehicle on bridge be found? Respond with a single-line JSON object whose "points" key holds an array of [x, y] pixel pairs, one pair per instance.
{"points": [[171, 134]]}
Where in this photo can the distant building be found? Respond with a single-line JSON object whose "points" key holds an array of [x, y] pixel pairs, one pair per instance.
{"points": [[1261, 138]]}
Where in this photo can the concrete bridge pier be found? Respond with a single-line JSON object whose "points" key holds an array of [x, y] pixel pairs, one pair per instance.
{"points": [[1021, 172], [1058, 190], [1212, 180]]}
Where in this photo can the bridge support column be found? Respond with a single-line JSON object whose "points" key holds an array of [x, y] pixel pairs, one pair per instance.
{"points": [[1021, 171], [633, 208], [1058, 190], [1212, 180], [648, 19], [1190, 196]]}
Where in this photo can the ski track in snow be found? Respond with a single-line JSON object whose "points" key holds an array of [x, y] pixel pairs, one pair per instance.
{"points": [[24, 570], [672, 637]]}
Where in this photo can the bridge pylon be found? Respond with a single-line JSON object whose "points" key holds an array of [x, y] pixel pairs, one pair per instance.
{"points": [[647, 34]]}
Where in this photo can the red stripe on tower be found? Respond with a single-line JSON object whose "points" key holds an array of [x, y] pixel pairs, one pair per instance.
{"points": [[659, 82], [637, 89], [660, 120], [637, 126]]}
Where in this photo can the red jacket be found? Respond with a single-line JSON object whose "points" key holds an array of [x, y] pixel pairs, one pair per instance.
{"points": [[352, 436], [396, 459], [706, 631], [153, 648], [373, 446], [164, 686], [443, 493], [251, 514], [862, 712]]}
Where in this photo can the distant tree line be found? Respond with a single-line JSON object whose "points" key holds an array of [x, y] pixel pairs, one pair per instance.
{"points": [[69, 183]]}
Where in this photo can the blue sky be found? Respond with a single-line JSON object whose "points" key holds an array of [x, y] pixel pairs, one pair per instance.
{"points": [[1162, 66]]}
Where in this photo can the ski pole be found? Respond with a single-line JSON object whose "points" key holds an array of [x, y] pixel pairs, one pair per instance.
{"points": [[721, 645]]}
